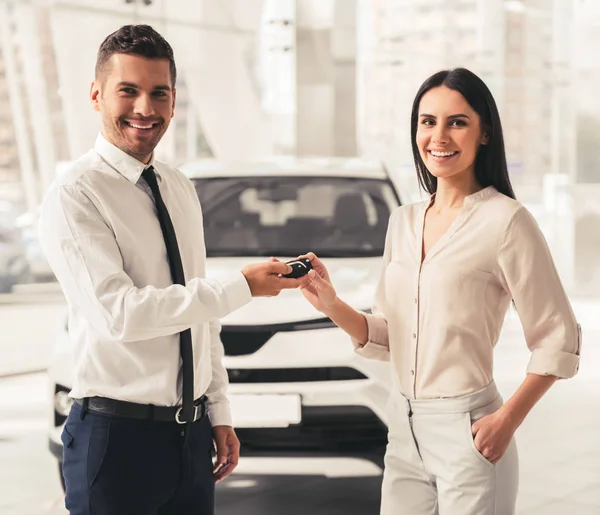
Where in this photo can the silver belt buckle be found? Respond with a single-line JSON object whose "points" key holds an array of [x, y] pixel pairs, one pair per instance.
{"points": [[178, 412]]}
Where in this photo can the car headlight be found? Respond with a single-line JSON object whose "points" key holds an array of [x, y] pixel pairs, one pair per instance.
{"points": [[308, 325], [303, 325], [319, 323]]}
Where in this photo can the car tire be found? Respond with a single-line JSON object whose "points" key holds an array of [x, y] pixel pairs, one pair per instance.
{"points": [[61, 477]]}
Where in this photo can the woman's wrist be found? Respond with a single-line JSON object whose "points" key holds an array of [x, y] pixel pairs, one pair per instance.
{"points": [[348, 319], [332, 310], [510, 416], [516, 409]]}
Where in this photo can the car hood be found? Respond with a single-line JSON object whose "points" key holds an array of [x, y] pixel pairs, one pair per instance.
{"points": [[355, 280]]}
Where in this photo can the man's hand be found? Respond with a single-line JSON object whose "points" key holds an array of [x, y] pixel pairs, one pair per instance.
{"points": [[264, 279], [493, 434], [228, 451]]}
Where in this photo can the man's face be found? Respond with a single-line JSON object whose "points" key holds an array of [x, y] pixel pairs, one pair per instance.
{"points": [[135, 97]]}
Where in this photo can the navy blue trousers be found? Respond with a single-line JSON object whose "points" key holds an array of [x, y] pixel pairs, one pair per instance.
{"points": [[123, 466]]}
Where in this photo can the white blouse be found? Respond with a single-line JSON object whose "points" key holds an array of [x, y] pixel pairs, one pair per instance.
{"points": [[439, 321]]}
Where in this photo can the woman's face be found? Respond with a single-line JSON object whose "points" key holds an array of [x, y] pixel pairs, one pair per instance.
{"points": [[449, 133]]}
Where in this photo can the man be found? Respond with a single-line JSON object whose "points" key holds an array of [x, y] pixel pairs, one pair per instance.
{"points": [[124, 236]]}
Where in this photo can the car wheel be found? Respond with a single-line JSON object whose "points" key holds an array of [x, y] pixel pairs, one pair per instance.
{"points": [[60, 475]]}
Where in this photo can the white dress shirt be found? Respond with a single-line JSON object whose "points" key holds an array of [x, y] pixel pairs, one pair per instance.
{"points": [[101, 235], [439, 321]]}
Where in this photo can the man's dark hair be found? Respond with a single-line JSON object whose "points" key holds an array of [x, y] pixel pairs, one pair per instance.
{"points": [[140, 40]]}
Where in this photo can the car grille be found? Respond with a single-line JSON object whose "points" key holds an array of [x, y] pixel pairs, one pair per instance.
{"points": [[293, 375], [323, 428], [237, 343]]}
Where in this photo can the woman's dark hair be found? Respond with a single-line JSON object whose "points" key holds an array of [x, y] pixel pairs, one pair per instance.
{"points": [[490, 165], [140, 40]]}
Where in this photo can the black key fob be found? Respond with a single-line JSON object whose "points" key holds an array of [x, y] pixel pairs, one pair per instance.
{"points": [[300, 267]]}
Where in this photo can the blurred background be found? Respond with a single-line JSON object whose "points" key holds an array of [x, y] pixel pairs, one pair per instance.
{"points": [[321, 79]]}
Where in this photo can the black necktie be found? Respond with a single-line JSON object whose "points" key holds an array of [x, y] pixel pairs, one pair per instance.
{"points": [[185, 337]]}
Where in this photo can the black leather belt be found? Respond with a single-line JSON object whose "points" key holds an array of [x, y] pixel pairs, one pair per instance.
{"points": [[143, 411]]}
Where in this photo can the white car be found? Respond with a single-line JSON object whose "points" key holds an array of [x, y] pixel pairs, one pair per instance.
{"points": [[14, 267], [39, 268], [296, 385]]}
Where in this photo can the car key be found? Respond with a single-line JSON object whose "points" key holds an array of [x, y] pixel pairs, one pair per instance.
{"points": [[300, 267]]}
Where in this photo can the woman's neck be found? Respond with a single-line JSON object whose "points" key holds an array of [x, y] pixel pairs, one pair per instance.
{"points": [[451, 192]]}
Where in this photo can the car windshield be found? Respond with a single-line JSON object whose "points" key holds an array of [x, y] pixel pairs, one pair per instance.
{"points": [[292, 215]]}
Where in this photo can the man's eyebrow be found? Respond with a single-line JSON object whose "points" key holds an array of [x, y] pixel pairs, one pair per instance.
{"points": [[161, 87]]}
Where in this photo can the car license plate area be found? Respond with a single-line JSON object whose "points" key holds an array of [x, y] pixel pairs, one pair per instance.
{"points": [[265, 410]]}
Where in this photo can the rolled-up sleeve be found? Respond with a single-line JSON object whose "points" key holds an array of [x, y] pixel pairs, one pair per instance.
{"points": [[528, 273], [378, 344]]}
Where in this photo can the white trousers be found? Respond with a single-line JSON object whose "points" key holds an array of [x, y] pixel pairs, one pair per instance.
{"points": [[432, 466]]}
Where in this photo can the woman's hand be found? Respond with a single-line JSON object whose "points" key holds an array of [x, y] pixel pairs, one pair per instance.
{"points": [[316, 285], [492, 435], [317, 288]]}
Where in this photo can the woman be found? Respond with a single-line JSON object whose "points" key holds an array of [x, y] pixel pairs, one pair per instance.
{"points": [[451, 266]]}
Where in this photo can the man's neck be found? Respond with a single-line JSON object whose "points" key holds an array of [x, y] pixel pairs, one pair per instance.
{"points": [[142, 159]]}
